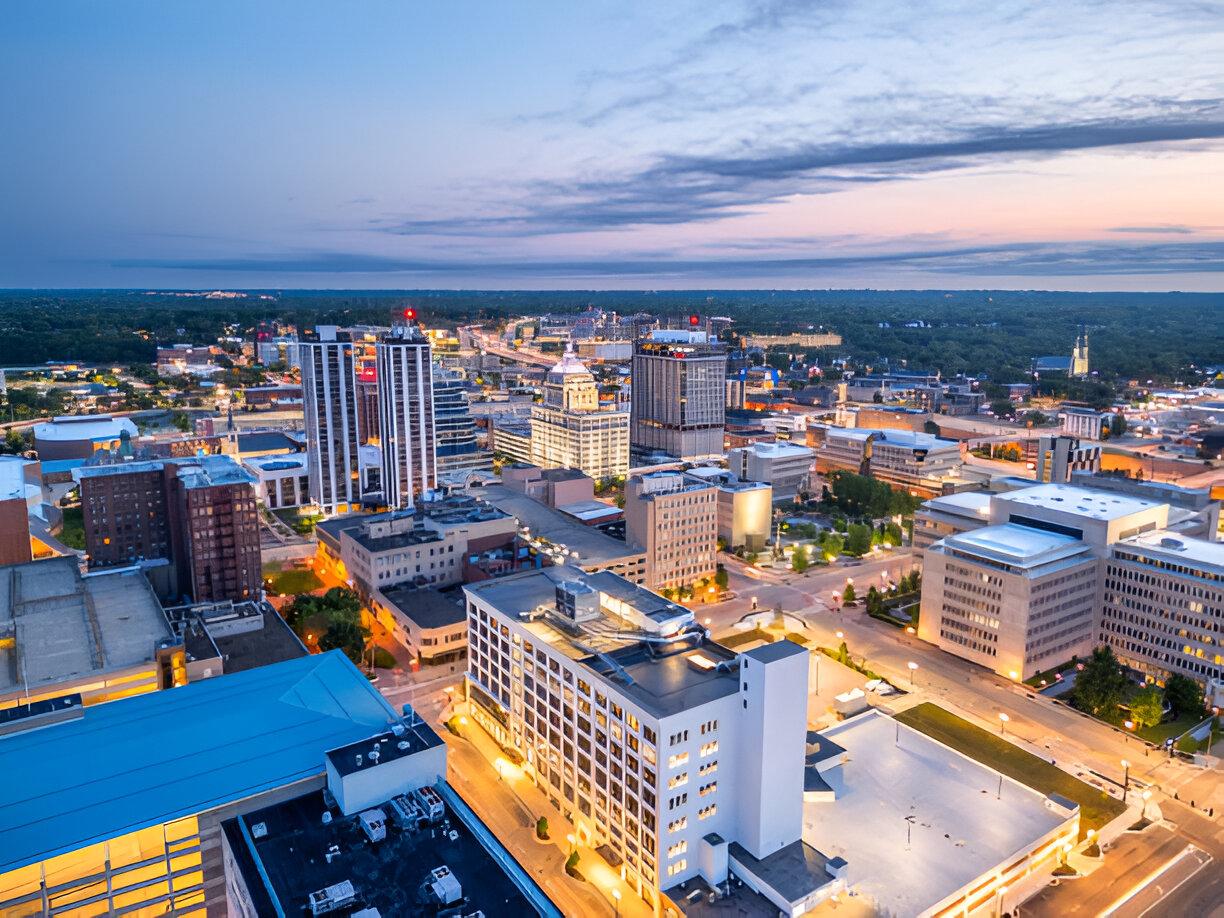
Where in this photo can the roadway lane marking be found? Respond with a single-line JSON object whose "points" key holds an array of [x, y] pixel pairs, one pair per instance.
{"points": [[1202, 863], [1149, 880]]}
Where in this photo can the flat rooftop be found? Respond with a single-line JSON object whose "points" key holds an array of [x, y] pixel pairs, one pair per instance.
{"points": [[960, 831], [270, 641], [83, 427], [662, 680], [591, 547], [1099, 505], [387, 875], [973, 504], [170, 754], [1174, 548], [67, 627], [428, 608], [1020, 546], [12, 477]]}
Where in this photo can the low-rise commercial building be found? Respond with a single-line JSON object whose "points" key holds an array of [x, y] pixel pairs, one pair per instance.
{"points": [[430, 624], [1083, 422], [99, 636], [18, 489], [907, 460], [682, 757], [745, 508], [673, 519], [281, 481], [80, 436], [783, 466]]}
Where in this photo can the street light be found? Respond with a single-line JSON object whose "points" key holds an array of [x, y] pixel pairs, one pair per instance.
{"points": [[1147, 795], [913, 668], [1003, 719], [570, 838], [839, 634], [616, 897], [1125, 779]]}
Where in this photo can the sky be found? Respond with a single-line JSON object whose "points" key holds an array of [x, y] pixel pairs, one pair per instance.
{"points": [[769, 144]]}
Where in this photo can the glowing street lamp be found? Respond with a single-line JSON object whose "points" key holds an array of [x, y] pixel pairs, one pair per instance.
{"points": [[1003, 719], [1147, 795], [616, 897], [913, 668]]}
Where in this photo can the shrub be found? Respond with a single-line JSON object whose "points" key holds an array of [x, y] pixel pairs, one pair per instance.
{"points": [[541, 826]]}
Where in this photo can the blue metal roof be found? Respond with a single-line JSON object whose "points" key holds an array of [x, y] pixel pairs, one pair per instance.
{"points": [[142, 761]]}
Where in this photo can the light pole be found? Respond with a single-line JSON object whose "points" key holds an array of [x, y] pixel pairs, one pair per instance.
{"points": [[1125, 779], [1147, 795], [616, 897], [913, 668], [1003, 719]]}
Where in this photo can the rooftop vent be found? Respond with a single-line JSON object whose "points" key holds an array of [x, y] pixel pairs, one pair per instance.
{"points": [[1175, 544]]}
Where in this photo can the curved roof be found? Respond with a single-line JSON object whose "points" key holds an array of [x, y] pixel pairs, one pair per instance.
{"points": [[84, 427]]}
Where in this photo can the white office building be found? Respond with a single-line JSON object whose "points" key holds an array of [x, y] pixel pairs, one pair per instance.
{"points": [[684, 758], [406, 415]]}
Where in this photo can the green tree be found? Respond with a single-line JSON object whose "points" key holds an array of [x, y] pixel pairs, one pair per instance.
{"points": [[721, 578], [843, 654], [858, 540], [1100, 686], [1184, 695], [799, 559], [1117, 425], [848, 595], [346, 636], [1147, 707], [832, 544], [892, 534], [14, 442], [1002, 407]]}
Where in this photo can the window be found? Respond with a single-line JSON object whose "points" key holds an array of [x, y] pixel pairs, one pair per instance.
{"points": [[675, 761], [677, 780], [707, 812], [709, 748], [707, 789], [678, 867], [677, 825], [679, 847]]}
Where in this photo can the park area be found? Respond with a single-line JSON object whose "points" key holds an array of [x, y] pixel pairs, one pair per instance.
{"points": [[1096, 807], [288, 579]]}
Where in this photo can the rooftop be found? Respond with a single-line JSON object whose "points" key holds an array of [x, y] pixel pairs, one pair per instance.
{"points": [[266, 441], [1016, 545], [428, 608], [292, 854], [1177, 549], [589, 545], [244, 635], [1099, 505], [195, 472], [12, 477], [779, 450], [83, 427], [170, 754], [960, 831], [65, 626], [963, 503]]}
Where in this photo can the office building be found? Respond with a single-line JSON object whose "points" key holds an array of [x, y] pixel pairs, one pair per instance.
{"points": [[406, 415], [745, 508], [905, 459], [329, 392], [430, 624], [1192, 511], [1059, 456], [784, 466], [97, 637], [681, 757], [192, 524], [282, 481], [139, 817], [455, 445], [673, 519], [679, 395], [80, 436], [1018, 583], [1163, 607], [570, 430], [1083, 422], [510, 437]]}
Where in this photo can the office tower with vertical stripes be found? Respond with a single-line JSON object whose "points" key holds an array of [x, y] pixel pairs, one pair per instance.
{"points": [[406, 414], [329, 394]]}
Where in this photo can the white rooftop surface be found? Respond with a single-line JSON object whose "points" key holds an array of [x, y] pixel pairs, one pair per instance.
{"points": [[1015, 544], [1178, 549], [85, 427], [960, 831], [1099, 505], [12, 478], [779, 450], [973, 503]]}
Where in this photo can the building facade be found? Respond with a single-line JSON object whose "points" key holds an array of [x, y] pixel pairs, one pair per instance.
{"points": [[786, 467], [570, 430], [666, 755], [745, 508], [1058, 457], [674, 519], [329, 397], [406, 415], [455, 446], [679, 395], [905, 459]]}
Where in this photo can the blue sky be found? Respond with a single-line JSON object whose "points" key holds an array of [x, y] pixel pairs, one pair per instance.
{"points": [[538, 145]]}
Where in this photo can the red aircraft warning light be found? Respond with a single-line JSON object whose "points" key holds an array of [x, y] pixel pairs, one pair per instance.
{"points": [[694, 320], [409, 314]]}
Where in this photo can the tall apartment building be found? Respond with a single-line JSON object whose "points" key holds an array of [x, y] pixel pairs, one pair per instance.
{"points": [[1020, 582], [679, 396], [197, 517], [367, 403], [673, 518], [406, 415], [570, 430], [455, 432], [682, 757], [329, 396], [1059, 456], [1163, 607]]}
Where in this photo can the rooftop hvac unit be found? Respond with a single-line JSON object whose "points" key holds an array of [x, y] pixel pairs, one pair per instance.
{"points": [[577, 601], [430, 803], [373, 824], [333, 898], [444, 885], [406, 813]]}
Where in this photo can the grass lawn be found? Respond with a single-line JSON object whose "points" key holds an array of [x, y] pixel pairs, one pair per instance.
{"points": [[740, 638], [1047, 675], [73, 533], [1096, 807], [1159, 733], [292, 580]]}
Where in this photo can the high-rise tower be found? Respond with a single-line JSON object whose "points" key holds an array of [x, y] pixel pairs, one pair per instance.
{"points": [[330, 409], [406, 413]]}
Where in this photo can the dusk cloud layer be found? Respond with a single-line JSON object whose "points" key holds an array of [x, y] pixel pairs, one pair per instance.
{"points": [[744, 143]]}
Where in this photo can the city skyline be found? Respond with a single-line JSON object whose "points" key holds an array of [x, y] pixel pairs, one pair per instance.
{"points": [[738, 145]]}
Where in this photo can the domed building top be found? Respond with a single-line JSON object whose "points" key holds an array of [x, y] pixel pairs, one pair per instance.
{"points": [[568, 365], [570, 385]]}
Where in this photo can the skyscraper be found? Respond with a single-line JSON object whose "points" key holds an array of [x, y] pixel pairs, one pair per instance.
{"points": [[455, 443], [406, 413], [679, 394], [329, 394], [569, 430]]}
